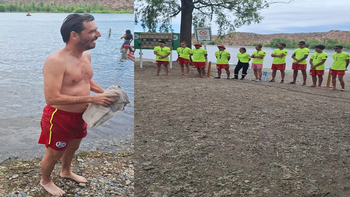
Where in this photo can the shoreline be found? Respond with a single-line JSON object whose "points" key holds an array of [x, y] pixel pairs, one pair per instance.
{"points": [[108, 173]]}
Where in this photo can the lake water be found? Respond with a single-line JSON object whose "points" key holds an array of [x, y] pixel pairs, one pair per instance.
{"points": [[25, 42], [234, 50]]}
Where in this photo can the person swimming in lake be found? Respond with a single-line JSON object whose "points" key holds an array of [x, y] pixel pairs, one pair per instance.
{"points": [[127, 38]]}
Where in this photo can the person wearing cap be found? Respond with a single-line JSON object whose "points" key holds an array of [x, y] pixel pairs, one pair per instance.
{"points": [[199, 58], [299, 62], [184, 57], [279, 61], [243, 62], [317, 62], [339, 66], [162, 52], [257, 64], [222, 57]]}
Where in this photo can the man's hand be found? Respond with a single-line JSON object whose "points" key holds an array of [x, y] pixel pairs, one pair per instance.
{"points": [[104, 99]]}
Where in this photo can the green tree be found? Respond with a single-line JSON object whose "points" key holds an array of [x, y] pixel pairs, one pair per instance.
{"points": [[227, 14]]}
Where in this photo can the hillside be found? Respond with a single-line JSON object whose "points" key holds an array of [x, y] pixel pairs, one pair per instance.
{"points": [[244, 39], [114, 4]]}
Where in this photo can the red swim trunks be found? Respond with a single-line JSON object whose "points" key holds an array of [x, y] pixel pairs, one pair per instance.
{"points": [[58, 128], [222, 66], [183, 60], [278, 66], [316, 72], [162, 62], [198, 64], [298, 66], [337, 72]]}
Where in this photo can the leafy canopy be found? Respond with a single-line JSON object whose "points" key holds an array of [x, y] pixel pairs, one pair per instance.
{"points": [[227, 14]]}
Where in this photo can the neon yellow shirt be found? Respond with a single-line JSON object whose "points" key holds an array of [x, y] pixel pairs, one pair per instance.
{"points": [[317, 58], [258, 60], [300, 53], [243, 57], [162, 51], [279, 60], [198, 55], [339, 61], [221, 57], [184, 52]]}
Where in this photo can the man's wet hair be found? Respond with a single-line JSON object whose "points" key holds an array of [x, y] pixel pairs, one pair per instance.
{"points": [[301, 42], [162, 41], [74, 22], [283, 44], [259, 45], [320, 46]]}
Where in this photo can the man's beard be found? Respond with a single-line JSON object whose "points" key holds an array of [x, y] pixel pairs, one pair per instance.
{"points": [[87, 44]]}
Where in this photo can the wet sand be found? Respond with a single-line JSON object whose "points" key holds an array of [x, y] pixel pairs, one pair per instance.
{"points": [[219, 137]]}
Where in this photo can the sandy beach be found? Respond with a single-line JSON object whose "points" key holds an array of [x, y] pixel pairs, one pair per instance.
{"points": [[219, 137]]}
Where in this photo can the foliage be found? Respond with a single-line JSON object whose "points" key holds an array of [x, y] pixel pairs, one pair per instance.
{"points": [[212, 43], [310, 43], [58, 8], [227, 14]]}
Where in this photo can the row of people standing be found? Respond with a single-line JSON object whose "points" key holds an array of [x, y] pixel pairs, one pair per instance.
{"points": [[299, 56]]}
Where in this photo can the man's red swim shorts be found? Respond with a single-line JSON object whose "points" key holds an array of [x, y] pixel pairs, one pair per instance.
{"points": [[58, 128]]}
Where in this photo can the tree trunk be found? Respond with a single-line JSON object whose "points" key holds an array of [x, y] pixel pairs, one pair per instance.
{"points": [[186, 21]]}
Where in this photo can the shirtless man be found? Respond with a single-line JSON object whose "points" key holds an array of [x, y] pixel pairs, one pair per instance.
{"points": [[67, 85]]}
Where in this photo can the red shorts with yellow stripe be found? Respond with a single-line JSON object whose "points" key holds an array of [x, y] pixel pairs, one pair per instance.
{"points": [[59, 127]]}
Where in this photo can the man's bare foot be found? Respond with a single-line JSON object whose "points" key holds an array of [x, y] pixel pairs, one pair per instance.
{"points": [[312, 86], [318, 87], [334, 88], [342, 89], [186, 74], [168, 74], [156, 75], [204, 77], [74, 177], [52, 188], [182, 74]]}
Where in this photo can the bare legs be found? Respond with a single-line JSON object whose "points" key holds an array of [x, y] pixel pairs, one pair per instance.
{"points": [[165, 68], [274, 72], [47, 165], [295, 75], [201, 72], [183, 69], [258, 73], [67, 161], [334, 81], [49, 161]]}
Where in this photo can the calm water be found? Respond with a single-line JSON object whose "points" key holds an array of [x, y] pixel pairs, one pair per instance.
{"points": [[234, 50], [25, 42]]}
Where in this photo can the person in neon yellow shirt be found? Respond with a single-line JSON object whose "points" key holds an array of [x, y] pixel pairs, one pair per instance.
{"points": [[199, 58], [257, 64], [222, 57], [243, 62], [317, 62], [183, 53], [162, 52], [299, 62], [279, 61], [339, 66]]}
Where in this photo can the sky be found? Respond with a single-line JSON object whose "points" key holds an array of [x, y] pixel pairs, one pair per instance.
{"points": [[295, 17]]}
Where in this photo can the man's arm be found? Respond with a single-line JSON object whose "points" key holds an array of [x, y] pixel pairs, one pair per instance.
{"points": [[305, 56], [95, 87], [320, 63], [53, 71]]}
